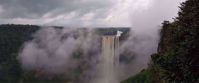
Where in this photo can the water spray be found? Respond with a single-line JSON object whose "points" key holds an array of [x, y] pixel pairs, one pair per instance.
{"points": [[110, 59]]}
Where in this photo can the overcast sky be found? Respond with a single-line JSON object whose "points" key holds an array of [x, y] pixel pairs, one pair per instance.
{"points": [[86, 12]]}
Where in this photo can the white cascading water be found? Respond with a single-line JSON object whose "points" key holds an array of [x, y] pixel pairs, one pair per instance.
{"points": [[109, 60]]}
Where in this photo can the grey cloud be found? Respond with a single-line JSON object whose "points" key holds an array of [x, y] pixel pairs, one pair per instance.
{"points": [[38, 8]]}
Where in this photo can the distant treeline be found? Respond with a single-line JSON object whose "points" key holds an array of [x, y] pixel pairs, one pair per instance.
{"points": [[12, 38]]}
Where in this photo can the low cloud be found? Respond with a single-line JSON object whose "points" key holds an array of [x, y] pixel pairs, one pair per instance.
{"points": [[72, 12]]}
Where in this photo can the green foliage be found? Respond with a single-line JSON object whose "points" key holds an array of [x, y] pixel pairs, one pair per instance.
{"points": [[143, 77], [35, 77], [178, 48], [78, 54], [177, 60], [11, 39]]}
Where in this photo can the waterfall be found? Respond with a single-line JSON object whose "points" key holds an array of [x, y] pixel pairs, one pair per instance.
{"points": [[109, 60]]}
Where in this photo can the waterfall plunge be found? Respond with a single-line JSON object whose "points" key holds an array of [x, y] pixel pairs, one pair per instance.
{"points": [[109, 60]]}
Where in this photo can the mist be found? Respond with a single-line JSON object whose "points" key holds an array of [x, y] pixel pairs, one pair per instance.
{"points": [[61, 51], [68, 50], [52, 49], [144, 39]]}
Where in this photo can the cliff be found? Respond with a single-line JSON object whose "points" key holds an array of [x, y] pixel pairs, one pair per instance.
{"points": [[177, 60]]}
